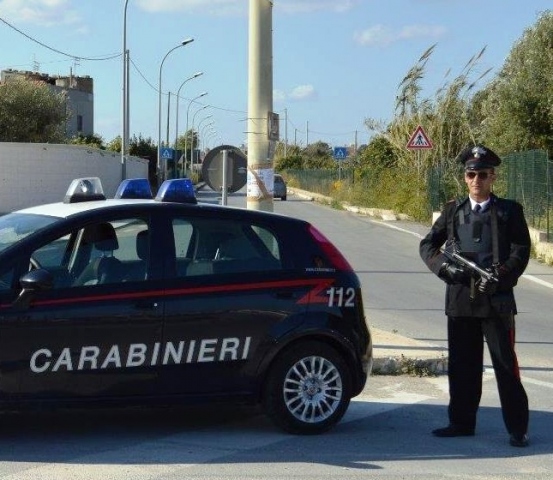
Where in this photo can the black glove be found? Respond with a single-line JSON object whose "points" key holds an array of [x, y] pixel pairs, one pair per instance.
{"points": [[485, 286], [453, 273]]}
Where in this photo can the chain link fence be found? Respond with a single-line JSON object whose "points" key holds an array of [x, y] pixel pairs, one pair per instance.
{"points": [[526, 177], [529, 180]]}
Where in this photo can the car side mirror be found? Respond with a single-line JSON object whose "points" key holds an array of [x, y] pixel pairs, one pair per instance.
{"points": [[32, 282]]}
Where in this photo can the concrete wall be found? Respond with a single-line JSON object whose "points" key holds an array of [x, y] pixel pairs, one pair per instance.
{"points": [[36, 173]]}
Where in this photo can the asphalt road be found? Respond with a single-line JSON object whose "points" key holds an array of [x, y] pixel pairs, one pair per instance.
{"points": [[385, 433]]}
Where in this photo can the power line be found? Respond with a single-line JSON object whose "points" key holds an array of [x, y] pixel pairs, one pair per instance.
{"points": [[75, 57]]}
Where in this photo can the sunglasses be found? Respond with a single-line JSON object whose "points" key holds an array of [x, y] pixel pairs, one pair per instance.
{"points": [[480, 175]]}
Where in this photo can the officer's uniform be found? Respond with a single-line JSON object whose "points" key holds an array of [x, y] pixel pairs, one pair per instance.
{"points": [[473, 316]]}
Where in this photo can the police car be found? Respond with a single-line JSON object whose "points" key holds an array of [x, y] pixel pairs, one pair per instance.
{"points": [[134, 300]]}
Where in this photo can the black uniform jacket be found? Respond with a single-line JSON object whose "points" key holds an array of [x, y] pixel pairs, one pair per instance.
{"points": [[513, 250]]}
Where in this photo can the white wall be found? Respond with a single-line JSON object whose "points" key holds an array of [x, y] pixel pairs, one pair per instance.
{"points": [[36, 173]]}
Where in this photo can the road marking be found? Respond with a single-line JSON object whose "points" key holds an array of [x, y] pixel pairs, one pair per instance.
{"points": [[537, 280], [535, 381], [527, 276]]}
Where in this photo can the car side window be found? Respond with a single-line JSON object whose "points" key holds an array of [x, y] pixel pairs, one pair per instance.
{"points": [[100, 253], [216, 247]]}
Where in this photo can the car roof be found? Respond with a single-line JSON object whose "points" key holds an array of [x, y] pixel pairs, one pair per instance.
{"points": [[65, 210]]}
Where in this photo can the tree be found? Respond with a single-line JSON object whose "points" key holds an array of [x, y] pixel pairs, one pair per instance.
{"points": [[318, 155], [145, 148], [379, 153], [93, 140], [115, 144], [517, 105], [31, 112]]}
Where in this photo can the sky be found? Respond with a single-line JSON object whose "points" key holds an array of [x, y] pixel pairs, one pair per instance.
{"points": [[336, 63]]}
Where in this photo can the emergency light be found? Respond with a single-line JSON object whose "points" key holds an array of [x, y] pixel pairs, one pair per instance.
{"points": [[134, 188], [180, 190], [84, 190]]}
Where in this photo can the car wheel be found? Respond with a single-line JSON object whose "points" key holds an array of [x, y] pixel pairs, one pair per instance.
{"points": [[308, 388], [283, 198]]}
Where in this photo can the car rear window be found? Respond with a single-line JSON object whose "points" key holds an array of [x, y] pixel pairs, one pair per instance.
{"points": [[214, 246]]}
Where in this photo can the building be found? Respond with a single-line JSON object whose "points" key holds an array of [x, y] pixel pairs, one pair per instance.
{"points": [[79, 92]]}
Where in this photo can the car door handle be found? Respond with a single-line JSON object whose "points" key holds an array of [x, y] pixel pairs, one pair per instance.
{"points": [[146, 305]]}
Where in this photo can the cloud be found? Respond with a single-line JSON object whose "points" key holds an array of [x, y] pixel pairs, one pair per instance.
{"points": [[298, 94], [381, 36], [45, 13], [279, 96], [212, 7], [227, 7], [309, 6]]}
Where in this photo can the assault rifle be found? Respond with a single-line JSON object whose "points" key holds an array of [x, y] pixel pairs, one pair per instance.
{"points": [[471, 266]]}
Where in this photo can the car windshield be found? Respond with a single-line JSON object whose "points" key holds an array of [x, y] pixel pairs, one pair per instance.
{"points": [[16, 226]]}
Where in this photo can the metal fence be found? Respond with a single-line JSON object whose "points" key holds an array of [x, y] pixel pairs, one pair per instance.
{"points": [[526, 177], [529, 180]]}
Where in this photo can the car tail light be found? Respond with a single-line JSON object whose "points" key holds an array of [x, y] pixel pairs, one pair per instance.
{"points": [[338, 261]]}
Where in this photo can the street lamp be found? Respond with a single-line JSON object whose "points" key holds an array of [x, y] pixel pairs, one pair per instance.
{"points": [[186, 131], [125, 107], [202, 132], [202, 121], [182, 44], [197, 74], [192, 132], [198, 136]]}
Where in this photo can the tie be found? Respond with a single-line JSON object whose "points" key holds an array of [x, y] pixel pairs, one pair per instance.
{"points": [[477, 208]]}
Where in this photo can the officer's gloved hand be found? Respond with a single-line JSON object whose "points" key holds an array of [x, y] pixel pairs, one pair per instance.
{"points": [[453, 273], [485, 286]]}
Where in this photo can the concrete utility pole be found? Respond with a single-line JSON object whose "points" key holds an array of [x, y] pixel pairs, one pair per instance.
{"points": [[260, 106]]}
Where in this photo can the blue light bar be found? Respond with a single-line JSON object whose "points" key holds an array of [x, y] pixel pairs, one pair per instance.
{"points": [[180, 190], [84, 190], [134, 188]]}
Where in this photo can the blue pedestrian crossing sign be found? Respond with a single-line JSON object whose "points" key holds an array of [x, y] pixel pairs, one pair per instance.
{"points": [[340, 153], [167, 153]]}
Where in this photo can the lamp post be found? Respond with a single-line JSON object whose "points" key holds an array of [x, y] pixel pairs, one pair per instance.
{"points": [[210, 135], [159, 173], [125, 93], [198, 136], [197, 74], [192, 132], [203, 94], [202, 121], [203, 135]]}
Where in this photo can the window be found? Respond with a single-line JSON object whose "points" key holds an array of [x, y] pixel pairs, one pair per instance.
{"points": [[100, 253], [210, 247]]}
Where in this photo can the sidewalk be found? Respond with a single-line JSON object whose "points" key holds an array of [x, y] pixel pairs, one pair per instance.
{"points": [[397, 355]]}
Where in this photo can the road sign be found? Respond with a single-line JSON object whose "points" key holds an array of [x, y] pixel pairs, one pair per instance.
{"points": [[419, 140], [167, 153], [340, 153]]}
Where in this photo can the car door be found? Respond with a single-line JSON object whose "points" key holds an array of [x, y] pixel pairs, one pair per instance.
{"points": [[85, 337], [231, 297]]}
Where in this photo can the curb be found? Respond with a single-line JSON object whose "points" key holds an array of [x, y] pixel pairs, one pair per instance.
{"points": [[395, 354]]}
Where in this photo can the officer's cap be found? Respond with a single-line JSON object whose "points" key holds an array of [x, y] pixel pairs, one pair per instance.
{"points": [[478, 157]]}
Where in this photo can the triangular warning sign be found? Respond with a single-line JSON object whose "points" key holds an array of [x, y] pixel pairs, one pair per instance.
{"points": [[419, 140]]}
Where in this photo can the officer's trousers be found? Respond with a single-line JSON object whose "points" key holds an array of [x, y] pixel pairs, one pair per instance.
{"points": [[466, 357]]}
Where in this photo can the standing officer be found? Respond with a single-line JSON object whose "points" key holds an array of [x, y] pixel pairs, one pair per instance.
{"points": [[492, 232]]}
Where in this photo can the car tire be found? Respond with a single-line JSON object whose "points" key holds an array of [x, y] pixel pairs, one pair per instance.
{"points": [[283, 198], [308, 388]]}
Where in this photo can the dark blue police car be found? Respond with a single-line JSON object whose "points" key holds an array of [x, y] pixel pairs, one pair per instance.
{"points": [[134, 300]]}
